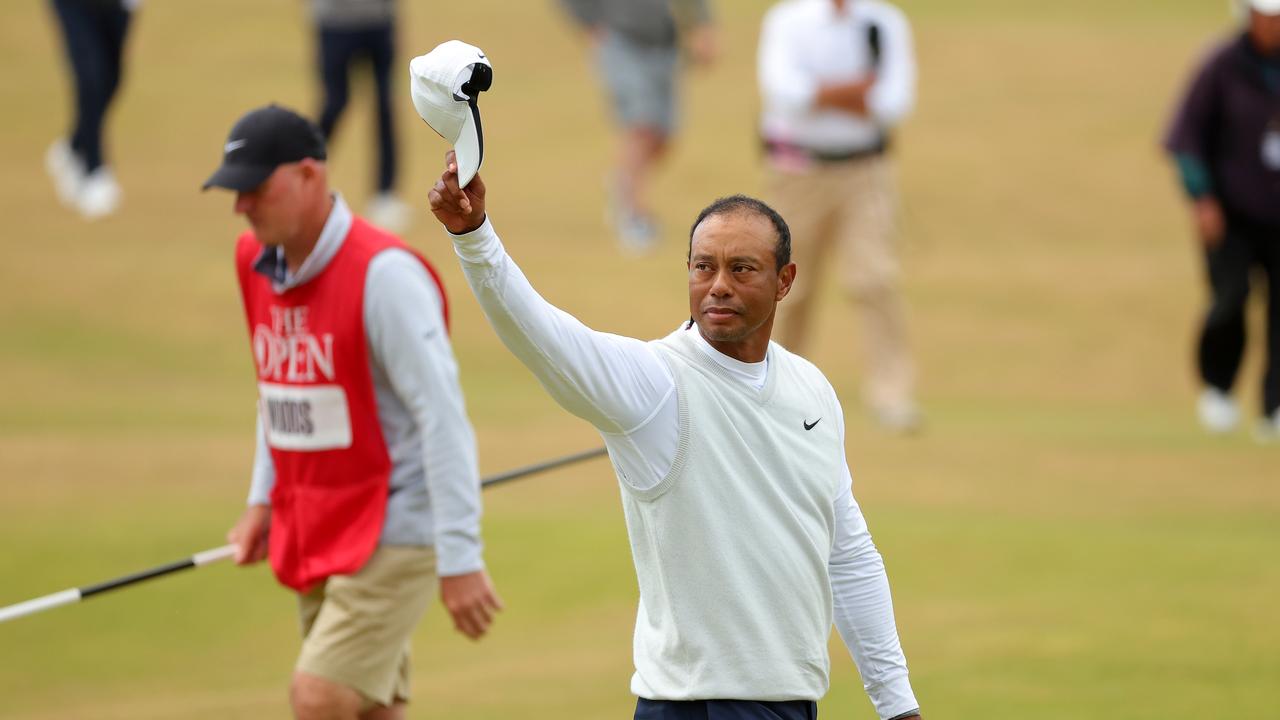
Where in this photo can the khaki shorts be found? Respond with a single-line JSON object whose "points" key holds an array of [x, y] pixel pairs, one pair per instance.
{"points": [[356, 628]]}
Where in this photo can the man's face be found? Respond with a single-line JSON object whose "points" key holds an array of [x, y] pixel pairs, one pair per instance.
{"points": [[734, 283], [1265, 30], [275, 208]]}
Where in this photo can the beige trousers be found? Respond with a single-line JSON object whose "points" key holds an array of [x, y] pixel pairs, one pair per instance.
{"points": [[848, 208]]}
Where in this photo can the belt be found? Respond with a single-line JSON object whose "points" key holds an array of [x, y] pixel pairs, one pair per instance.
{"points": [[775, 147]]}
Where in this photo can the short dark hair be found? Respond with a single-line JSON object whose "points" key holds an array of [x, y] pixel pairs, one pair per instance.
{"points": [[743, 204]]}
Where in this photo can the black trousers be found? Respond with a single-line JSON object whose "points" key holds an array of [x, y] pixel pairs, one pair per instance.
{"points": [[1247, 245], [340, 49], [94, 32], [725, 710]]}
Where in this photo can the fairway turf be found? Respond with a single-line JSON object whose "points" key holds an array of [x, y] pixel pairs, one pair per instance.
{"points": [[1062, 541]]}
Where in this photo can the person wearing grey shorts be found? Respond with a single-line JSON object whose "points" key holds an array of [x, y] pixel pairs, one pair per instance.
{"points": [[637, 47]]}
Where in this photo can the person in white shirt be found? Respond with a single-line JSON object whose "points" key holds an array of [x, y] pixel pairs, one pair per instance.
{"points": [[836, 76], [729, 452]]}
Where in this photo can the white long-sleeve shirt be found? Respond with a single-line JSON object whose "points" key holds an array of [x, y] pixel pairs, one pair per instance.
{"points": [[621, 386], [435, 483], [805, 44]]}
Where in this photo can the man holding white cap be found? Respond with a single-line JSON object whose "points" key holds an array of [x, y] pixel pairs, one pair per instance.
{"points": [[1225, 140], [729, 452]]}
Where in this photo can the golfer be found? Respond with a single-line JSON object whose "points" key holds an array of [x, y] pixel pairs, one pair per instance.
{"points": [[365, 472], [730, 454]]}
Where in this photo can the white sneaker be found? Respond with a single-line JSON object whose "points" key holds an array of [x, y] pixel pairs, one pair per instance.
{"points": [[389, 212], [1267, 430], [1218, 411], [99, 194], [66, 170]]}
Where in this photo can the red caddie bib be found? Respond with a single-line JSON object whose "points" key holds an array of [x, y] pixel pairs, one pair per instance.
{"points": [[316, 400]]}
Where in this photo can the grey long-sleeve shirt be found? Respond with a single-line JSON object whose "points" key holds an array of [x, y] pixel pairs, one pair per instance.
{"points": [[435, 484]]}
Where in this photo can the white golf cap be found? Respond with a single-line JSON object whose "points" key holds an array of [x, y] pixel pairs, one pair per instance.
{"points": [[445, 84], [1266, 7]]}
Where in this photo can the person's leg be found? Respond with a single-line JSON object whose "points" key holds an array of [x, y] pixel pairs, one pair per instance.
{"points": [[312, 697], [316, 698], [113, 30], [87, 57], [641, 85], [358, 642], [381, 45], [1268, 253], [385, 209], [1222, 336], [641, 149], [335, 48], [395, 710], [870, 274], [806, 201]]}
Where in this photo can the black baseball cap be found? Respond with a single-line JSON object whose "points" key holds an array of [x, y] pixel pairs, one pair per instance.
{"points": [[261, 141]]}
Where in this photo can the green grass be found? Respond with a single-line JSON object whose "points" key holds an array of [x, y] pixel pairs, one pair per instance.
{"points": [[1063, 542]]}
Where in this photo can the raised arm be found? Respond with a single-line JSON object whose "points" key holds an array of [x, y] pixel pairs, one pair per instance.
{"points": [[615, 383]]}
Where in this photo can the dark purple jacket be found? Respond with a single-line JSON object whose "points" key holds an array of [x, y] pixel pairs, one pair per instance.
{"points": [[1229, 124]]}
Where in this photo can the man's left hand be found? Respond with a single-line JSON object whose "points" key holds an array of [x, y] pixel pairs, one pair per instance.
{"points": [[471, 601], [703, 44]]}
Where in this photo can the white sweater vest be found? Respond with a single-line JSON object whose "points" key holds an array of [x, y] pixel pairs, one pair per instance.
{"points": [[731, 547]]}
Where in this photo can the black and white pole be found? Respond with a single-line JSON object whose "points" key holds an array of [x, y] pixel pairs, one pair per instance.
{"points": [[541, 467], [74, 595], [66, 597]]}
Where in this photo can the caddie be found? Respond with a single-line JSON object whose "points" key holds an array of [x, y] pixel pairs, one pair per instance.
{"points": [[365, 493]]}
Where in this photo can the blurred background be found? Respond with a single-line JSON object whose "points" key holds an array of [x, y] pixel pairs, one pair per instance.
{"points": [[1063, 540]]}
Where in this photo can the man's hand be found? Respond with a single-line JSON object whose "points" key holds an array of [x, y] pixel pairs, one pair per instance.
{"points": [[850, 96], [703, 44], [460, 210], [250, 534], [1210, 225], [471, 601]]}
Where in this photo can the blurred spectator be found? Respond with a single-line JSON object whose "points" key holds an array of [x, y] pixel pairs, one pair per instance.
{"points": [[349, 31], [836, 76], [637, 46], [1225, 140], [94, 32]]}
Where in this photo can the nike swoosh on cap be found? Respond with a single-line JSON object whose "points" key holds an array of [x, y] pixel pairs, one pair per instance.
{"points": [[234, 145]]}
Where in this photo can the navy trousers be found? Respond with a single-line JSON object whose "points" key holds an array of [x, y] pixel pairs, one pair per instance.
{"points": [[725, 710], [340, 48], [94, 31]]}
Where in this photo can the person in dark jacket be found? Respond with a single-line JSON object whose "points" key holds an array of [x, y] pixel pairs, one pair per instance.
{"points": [[1225, 141]]}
